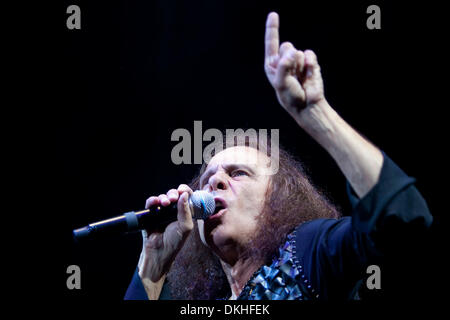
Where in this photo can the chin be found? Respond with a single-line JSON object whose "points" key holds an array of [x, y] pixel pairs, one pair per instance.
{"points": [[218, 237]]}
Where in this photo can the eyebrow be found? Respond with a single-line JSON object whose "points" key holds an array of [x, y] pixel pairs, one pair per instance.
{"points": [[228, 167]]}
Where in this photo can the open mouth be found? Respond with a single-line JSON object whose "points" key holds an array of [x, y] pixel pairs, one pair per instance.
{"points": [[221, 206]]}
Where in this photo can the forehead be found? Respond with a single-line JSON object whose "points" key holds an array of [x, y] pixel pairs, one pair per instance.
{"points": [[240, 155]]}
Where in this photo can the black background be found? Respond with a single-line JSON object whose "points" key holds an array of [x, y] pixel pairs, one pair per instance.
{"points": [[138, 70]]}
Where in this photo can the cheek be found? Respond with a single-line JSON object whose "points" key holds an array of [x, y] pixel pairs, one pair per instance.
{"points": [[252, 203], [243, 219]]}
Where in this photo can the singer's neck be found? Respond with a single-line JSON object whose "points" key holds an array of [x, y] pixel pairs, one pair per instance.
{"points": [[238, 274]]}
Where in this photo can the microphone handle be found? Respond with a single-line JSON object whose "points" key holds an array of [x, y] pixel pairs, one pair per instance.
{"points": [[156, 218]]}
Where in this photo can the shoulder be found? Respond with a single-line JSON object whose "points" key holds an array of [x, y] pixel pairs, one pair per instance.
{"points": [[310, 234]]}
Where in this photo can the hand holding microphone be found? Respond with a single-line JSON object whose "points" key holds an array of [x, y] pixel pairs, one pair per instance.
{"points": [[156, 217], [165, 225], [160, 249]]}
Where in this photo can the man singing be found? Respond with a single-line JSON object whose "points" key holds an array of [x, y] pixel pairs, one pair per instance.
{"points": [[274, 236]]}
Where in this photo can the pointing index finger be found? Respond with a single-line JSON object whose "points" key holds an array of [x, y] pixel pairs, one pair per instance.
{"points": [[272, 40]]}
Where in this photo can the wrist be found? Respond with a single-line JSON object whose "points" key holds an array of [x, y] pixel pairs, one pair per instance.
{"points": [[320, 121], [313, 114], [150, 271]]}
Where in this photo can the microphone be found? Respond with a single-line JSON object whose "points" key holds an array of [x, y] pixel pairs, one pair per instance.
{"points": [[201, 203]]}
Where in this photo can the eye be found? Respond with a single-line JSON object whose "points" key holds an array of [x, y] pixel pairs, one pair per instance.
{"points": [[237, 173]]}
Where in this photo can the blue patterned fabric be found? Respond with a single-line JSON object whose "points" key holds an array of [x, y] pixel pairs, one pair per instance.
{"points": [[284, 279]]}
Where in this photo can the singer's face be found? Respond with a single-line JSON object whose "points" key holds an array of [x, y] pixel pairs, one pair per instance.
{"points": [[238, 178]]}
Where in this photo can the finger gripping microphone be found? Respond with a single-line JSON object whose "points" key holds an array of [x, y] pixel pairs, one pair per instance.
{"points": [[201, 203]]}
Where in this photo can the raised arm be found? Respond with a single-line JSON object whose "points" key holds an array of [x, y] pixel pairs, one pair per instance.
{"points": [[295, 76]]}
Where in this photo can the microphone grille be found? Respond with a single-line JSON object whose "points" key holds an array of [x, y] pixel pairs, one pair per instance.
{"points": [[203, 204]]}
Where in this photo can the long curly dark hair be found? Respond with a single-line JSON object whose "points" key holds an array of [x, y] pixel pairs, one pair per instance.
{"points": [[291, 200]]}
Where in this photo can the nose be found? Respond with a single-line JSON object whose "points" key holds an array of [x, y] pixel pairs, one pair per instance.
{"points": [[217, 181]]}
